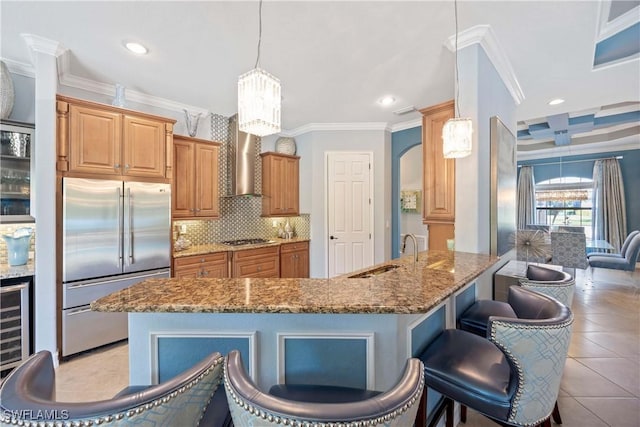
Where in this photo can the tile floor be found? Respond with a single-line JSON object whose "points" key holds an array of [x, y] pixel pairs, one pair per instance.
{"points": [[600, 386]]}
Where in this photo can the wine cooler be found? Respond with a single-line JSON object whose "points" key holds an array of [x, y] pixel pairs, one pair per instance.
{"points": [[14, 323]]}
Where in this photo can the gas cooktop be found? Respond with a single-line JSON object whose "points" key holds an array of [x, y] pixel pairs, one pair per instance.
{"points": [[241, 242]]}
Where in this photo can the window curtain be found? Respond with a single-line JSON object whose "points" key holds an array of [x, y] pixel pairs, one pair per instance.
{"points": [[609, 209], [526, 198]]}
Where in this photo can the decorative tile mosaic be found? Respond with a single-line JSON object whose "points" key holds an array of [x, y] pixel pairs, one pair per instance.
{"points": [[240, 216]]}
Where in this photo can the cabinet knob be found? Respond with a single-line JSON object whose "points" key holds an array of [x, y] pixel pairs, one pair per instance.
{"points": [[197, 209], [116, 166], [202, 260], [126, 166], [259, 268]]}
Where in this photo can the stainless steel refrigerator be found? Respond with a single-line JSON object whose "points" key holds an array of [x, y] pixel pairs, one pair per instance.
{"points": [[115, 234]]}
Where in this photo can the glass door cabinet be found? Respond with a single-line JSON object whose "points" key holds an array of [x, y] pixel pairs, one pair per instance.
{"points": [[16, 148]]}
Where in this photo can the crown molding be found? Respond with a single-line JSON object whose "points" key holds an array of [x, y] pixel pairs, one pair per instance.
{"points": [[624, 144], [406, 125], [71, 80], [485, 37], [606, 28], [20, 68], [43, 45], [323, 127]]}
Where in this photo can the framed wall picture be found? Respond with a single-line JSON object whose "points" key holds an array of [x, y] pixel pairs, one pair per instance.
{"points": [[503, 187]]}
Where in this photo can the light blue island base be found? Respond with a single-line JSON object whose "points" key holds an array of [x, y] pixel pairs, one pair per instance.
{"points": [[355, 350]]}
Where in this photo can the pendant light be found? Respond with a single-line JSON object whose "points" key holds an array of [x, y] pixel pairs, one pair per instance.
{"points": [[457, 132], [259, 98]]}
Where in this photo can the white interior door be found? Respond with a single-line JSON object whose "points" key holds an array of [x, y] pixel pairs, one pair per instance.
{"points": [[349, 212]]}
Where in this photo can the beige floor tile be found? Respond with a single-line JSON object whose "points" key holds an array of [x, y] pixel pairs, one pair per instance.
{"points": [[575, 415], [582, 347], [625, 344], [578, 380], [616, 412], [96, 375], [623, 372]]}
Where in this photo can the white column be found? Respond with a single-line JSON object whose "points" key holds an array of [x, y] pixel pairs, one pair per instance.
{"points": [[44, 55]]}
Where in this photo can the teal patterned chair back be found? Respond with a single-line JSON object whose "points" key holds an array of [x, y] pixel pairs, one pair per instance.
{"points": [[537, 349], [251, 407], [569, 249], [562, 291], [29, 391]]}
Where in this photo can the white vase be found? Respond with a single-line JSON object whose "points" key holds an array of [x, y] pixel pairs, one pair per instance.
{"points": [[119, 99], [286, 145], [7, 93]]}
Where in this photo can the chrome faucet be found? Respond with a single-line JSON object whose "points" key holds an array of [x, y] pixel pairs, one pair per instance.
{"points": [[415, 246]]}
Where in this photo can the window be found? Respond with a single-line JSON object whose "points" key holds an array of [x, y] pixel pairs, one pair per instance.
{"points": [[565, 201]]}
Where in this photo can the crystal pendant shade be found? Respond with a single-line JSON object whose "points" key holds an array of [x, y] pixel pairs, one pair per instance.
{"points": [[259, 103], [456, 138]]}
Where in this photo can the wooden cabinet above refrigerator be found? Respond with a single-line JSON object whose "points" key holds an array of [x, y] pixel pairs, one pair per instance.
{"points": [[98, 139]]}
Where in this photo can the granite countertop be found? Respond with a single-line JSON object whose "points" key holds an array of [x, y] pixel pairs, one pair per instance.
{"points": [[219, 247], [9, 272], [404, 290]]}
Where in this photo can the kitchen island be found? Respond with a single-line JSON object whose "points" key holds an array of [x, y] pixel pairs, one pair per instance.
{"points": [[354, 331]]}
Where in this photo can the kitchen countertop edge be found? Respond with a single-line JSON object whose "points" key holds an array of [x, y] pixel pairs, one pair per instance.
{"points": [[405, 290]]}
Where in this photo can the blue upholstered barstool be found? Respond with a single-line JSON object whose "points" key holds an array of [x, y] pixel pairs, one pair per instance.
{"points": [[513, 377], [556, 284], [319, 405], [191, 398]]}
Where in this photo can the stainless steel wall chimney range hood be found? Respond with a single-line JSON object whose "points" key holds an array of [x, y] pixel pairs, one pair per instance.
{"points": [[241, 161]]}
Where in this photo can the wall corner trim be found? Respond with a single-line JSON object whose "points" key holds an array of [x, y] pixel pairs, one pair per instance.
{"points": [[485, 37]]}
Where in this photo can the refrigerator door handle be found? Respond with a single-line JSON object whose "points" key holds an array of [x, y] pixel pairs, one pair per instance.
{"points": [[119, 219], [130, 226]]}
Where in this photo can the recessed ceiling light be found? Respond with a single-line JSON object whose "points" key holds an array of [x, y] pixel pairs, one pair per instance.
{"points": [[386, 100], [136, 48], [556, 101]]}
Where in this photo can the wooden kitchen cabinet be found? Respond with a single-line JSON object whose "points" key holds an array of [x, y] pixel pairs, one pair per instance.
{"points": [[294, 260], [258, 262], [438, 177], [280, 184], [210, 265], [195, 180], [99, 139]]}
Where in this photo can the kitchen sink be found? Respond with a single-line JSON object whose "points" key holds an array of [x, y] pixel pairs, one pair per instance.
{"points": [[374, 271]]}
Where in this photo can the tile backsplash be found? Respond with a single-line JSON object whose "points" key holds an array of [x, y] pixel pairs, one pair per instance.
{"points": [[240, 216]]}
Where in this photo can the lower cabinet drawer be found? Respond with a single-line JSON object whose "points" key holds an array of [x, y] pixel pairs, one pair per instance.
{"points": [[257, 267]]}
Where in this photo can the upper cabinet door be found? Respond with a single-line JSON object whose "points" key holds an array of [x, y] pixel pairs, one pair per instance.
{"points": [[207, 180], [182, 194], [195, 178], [94, 140], [280, 184], [144, 147], [439, 173]]}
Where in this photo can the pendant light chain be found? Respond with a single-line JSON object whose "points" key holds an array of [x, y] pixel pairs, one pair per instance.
{"points": [[259, 33], [259, 97], [455, 12], [457, 132]]}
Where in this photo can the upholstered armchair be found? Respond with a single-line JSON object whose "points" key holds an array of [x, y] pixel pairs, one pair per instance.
{"points": [[513, 377], [252, 407], [623, 249], [626, 262], [192, 398]]}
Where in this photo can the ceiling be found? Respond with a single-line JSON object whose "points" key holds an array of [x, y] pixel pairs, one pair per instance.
{"points": [[337, 59]]}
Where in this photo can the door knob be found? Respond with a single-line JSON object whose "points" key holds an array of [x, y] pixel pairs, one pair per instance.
{"points": [[333, 238]]}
